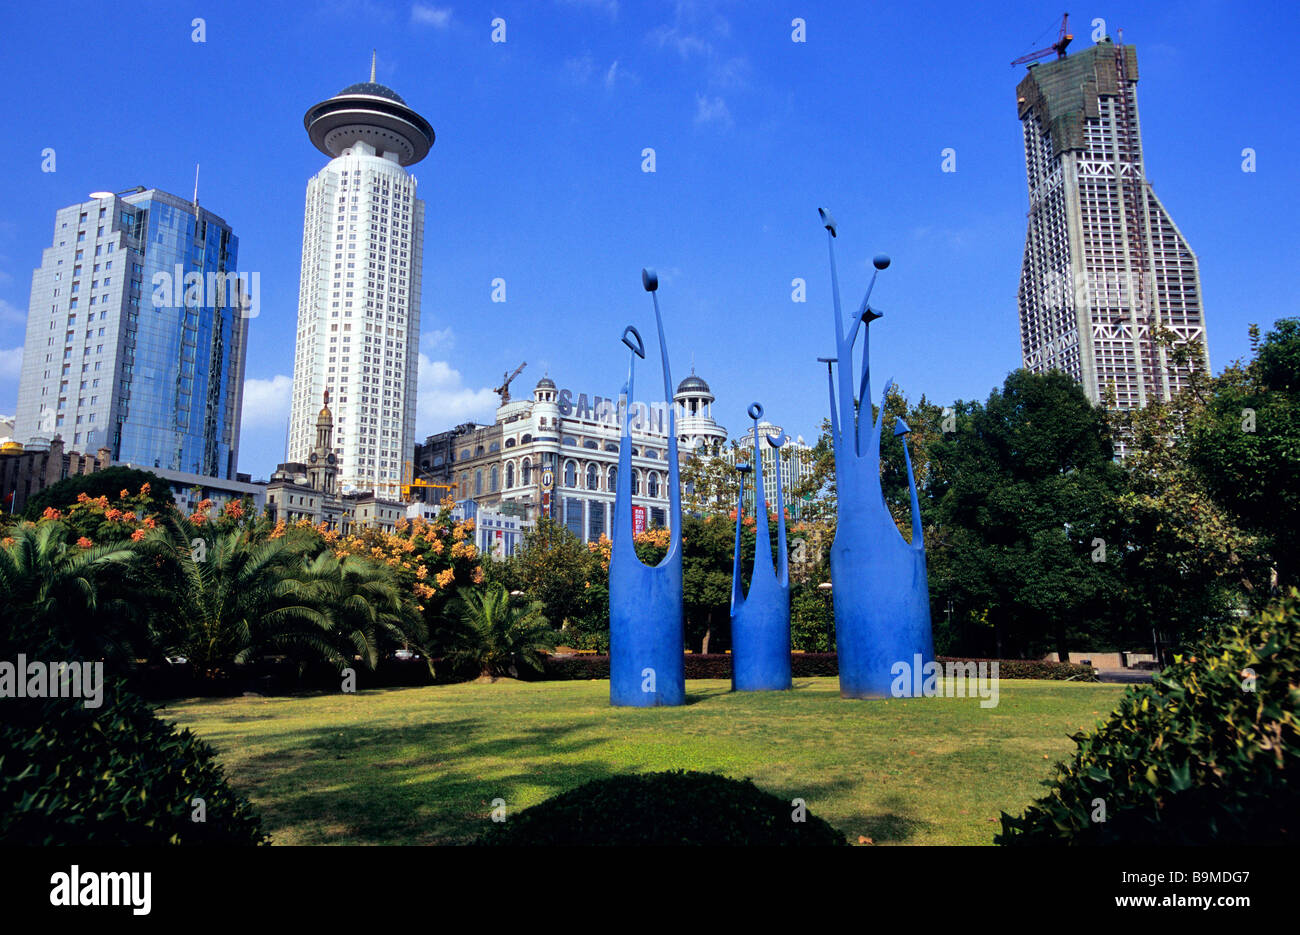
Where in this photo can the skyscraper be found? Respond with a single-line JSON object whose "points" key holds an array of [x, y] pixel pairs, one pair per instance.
{"points": [[359, 295], [137, 332], [1106, 271]]}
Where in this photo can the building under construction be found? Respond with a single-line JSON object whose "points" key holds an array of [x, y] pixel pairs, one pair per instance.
{"points": [[1106, 271]]}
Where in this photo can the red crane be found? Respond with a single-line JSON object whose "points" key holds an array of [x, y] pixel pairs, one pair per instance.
{"points": [[1062, 40]]}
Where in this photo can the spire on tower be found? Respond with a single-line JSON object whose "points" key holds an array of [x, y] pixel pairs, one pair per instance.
{"points": [[372, 66]]}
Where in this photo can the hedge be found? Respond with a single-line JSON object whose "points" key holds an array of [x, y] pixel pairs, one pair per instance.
{"points": [[803, 665], [669, 808], [1208, 753]]}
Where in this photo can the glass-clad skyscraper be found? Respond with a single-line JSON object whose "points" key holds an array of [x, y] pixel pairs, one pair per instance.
{"points": [[136, 334]]}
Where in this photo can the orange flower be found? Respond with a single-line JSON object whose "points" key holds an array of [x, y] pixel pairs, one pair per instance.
{"points": [[477, 577], [151, 522], [113, 515], [144, 489], [446, 577], [83, 497], [137, 535], [8, 541], [123, 494], [84, 543]]}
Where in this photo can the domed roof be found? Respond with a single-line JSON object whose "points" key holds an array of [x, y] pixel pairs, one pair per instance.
{"points": [[693, 384], [373, 89], [545, 383]]}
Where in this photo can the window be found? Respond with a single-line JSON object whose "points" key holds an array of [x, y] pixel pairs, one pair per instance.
{"points": [[636, 483], [570, 474], [593, 477], [527, 471], [493, 479], [478, 483], [510, 475], [611, 479], [653, 485]]}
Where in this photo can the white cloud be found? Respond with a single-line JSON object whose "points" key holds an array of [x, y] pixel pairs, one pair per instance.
{"points": [[266, 402], [11, 362], [425, 15], [438, 339], [711, 110], [611, 76], [444, 399]]}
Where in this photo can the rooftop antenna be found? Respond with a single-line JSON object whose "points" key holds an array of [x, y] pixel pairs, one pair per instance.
{"points": [[196, 184], [372, 66]]}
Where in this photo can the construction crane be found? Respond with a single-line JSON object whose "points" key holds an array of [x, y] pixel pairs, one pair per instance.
{"points": [[1062, 40], [504, 389]]}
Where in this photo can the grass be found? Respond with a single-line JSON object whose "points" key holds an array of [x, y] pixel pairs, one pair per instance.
{"points": [[423, 765]]}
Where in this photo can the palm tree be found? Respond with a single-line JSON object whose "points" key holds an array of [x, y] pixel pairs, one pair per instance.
{"points": [[238, 599], [60, 595], [499, 635], [365, 604]]}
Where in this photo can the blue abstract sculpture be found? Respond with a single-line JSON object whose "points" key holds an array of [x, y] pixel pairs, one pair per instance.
{"points": [[760, 622], [878, 579], [646, 631]]}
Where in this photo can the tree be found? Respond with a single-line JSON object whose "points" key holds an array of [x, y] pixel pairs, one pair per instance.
{"points": [[555, 568], [1026, 489], [366, 606], [51, 588], [240, 599], [110, 483], [1244, 441], [502, 638]]}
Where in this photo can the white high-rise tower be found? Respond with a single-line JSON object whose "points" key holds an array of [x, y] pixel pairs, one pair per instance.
{"points": [[1106, 270], [359, 295]]}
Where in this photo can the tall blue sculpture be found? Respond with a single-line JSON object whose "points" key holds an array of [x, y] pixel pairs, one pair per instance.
{"points": [[646, 631], [878, 579], [760, 622]]}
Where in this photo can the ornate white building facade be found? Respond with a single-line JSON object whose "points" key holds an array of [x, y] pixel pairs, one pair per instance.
{"points": [[556, 455]]}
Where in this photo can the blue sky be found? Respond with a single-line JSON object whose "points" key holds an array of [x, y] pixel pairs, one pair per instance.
{"points": [[536, 175]]}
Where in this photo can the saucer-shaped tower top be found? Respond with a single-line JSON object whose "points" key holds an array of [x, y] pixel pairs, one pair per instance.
{"points": [[371, 112]]}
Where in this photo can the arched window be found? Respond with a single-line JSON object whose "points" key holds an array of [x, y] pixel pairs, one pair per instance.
{"points": [[570, 474], [593, 477], [510, 443], [464, 486], [653, 484], [610, 446], [612, 479], [636, 483], [527, 471], [526, 439], [464, 454], [495, 446], [570, 440], [651, 454], [478, 483], [478, 451], [510, 475], [590, 443], [493, 478]]}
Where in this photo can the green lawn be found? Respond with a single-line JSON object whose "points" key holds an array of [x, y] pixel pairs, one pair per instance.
{"points": [[422, 765]]}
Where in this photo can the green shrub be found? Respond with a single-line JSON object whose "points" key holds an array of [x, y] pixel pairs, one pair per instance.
{"points": [[109, 482], [115, 774], [1208, 753], [670, 808]]}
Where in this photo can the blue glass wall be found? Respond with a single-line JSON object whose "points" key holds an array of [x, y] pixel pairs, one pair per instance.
{"points": [[181, 371]]}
